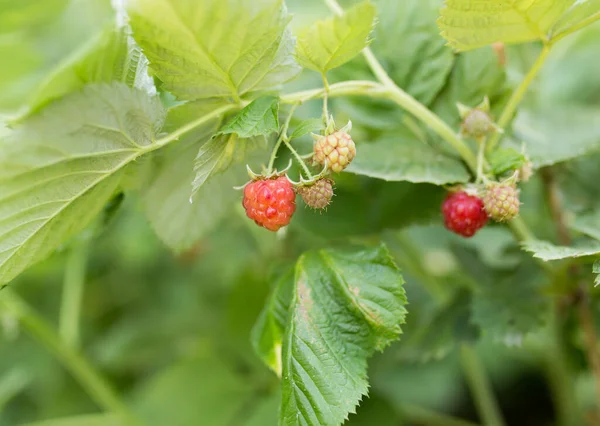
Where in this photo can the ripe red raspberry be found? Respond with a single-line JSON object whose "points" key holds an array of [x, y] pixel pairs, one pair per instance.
{"points": [[464, 213], [338, 149], [317, 195], [270, 202], [502, 202]]}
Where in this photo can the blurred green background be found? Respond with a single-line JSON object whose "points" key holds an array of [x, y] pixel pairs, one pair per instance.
{"points": [[171, 332]]}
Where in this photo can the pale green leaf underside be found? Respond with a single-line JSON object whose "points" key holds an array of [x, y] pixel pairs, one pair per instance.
{"points": [[468, 24], [345, 305], [259, 118], [548, 251], [213, 157], [110, 56], [588, 224], [596, 270], [580, 11], [307, 126], [215, 48], [553, 135], [58, 169], [403, 157], [267, 333], [334, 41], [166, 199]]}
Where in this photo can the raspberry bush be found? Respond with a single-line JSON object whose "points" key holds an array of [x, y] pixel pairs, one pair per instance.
{"points": [[169, 230]]}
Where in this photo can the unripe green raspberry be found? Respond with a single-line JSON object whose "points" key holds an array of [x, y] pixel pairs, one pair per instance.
{"points": [[337, 149], [477, 124], [318, 195], [501, 202]]}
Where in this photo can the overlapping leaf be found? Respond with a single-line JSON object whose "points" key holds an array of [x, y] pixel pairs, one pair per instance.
{"points": [[178, 219], [552, 135], [344, 306], [57, 174], [332, 42], [259, 118], [468, 24], [548, 251], [215, 48], [112, 56], [404, 157]]}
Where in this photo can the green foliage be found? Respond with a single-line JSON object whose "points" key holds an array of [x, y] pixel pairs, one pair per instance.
{"points": [[111, 56], [91, 420], [403, 156], [213, 165], [548, 251], [249, 49], [259, 118], [68, 169], [133, 121], [468, 24], [506, 159], [413, 22], [331, 43], [552, 135], [343, 302], [307, 126]]}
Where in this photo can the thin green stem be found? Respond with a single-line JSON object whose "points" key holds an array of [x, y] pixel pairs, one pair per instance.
{"points": [[580, 25], [190, 126], [96, 386], [298, 158], [480, 386], [517, 96], [480, 161], [346, 88], [282, 136], [425, 417], [73, 287]]}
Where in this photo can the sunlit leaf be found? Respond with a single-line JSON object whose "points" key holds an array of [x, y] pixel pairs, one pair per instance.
{"points": [[259, 118], [345, 305], [56, 174], [468, 24], [214, 48], [332, 42], [548, 251]]}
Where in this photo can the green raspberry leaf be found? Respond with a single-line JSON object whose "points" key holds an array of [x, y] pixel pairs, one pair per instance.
{"points": [[267, 333], [506, 159], [596, 270], [580, 11], [334, 41], [588, 224], [548, 251], [208, 48], [58, 169], [259, 118], [344, 305], [307, 126], [469, 24], [111, 56], [178, 222], [545, 131], [406, 27], [402, 156]]}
